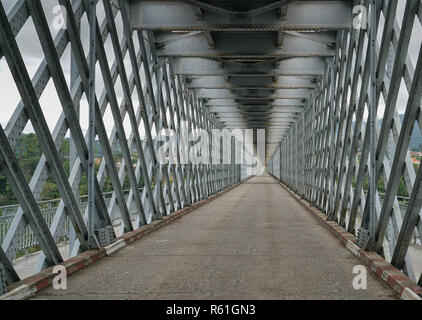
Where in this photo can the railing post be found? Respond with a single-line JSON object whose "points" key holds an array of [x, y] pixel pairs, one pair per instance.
{"points": [[372, 117], [331, 213], [281, 160], [303, 155], [72, 148], [91, 170], [296, 159]]}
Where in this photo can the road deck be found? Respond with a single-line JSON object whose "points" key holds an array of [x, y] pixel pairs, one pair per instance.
{"points": [[254, 242]]}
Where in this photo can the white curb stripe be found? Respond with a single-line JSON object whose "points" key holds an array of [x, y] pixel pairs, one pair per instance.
{"points": [[353, 248], [408, 294], [384, 275], [115, 247], [19, 293]]}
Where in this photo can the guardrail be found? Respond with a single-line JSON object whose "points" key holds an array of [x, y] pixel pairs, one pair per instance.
{"points": [[48, 208]]}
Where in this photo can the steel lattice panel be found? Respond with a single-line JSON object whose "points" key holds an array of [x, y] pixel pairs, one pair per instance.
{"points": [[154, 98], [336, 132]]}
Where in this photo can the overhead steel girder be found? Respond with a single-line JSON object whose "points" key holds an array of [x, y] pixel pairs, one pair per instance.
{"points": [[255, 120], [234, 102], [248, 11], [162, 40], [260, 101], [255, 126], [256, 115], [312, 66], [271, 145], [327, 39], [266, 122], [240, 82], [173, 15], [267, 94], [233, 46], [276, 130], [270, 109]]}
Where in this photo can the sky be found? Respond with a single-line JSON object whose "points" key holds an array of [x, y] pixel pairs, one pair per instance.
{"points": [[32, 55]]}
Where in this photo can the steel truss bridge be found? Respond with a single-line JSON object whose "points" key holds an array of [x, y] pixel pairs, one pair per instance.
{"points": [[335, 84]]}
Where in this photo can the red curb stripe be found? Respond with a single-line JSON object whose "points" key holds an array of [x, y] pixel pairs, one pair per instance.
{"points": [[44, 278]]}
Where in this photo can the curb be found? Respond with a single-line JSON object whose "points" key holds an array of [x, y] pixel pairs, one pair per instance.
{"points": [[30, 286], [115, 246], [394, 278]]}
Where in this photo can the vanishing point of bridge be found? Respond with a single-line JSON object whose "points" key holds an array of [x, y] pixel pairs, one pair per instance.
{"points": [[270, 126]]}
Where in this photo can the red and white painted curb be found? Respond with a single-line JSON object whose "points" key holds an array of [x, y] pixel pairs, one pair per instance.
{"points": [[30, 286], [394, 278]]}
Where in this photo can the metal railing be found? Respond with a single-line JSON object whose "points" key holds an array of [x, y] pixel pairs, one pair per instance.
{"points": [[48, 209]]}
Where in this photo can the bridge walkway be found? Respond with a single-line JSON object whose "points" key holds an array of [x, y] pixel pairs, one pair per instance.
{"points": [[254, 242]]}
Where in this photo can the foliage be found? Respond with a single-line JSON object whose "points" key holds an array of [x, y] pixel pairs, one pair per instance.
{"points": [[28, 154]]}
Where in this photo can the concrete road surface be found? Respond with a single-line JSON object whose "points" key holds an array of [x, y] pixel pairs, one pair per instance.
{"points": [[254, 242]]}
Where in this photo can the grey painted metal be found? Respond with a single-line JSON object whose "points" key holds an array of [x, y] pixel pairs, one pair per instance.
{"points": [[14, 174], [290, 67], [21, 76], [72, 147], [91, 129], [193, 66], [170, 15], [164, 104], [139, 91], [368, 81], [331, 212], [411, 217], [371, 120]]}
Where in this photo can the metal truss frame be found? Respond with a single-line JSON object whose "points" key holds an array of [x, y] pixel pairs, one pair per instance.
{"points": [[310, 79], [330, 141], [155, 98]]}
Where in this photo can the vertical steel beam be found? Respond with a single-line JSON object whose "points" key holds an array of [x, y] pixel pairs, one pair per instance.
{"points": [[414, 206], [64, 95], [372, 119], [91, 128], [33, 108], [412, 215], [9, 165], [8, 272], [399, 65], [331, 214], [139, 90]]}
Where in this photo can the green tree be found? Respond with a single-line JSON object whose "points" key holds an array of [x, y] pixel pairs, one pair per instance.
{"points": [[28, 153]]}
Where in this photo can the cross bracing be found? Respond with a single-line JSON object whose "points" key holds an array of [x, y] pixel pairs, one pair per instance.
{"points": [[301, 70], [325, 156], [154, 98]]}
